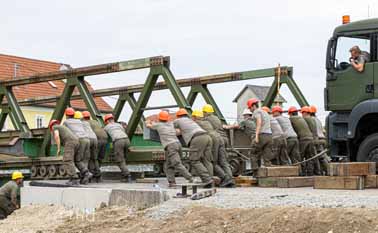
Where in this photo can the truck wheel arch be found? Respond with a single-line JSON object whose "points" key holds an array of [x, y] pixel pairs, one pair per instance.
{"points": [[359, 111]]}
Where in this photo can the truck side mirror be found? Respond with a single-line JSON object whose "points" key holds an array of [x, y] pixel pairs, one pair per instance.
{"points": [[330, 57]]}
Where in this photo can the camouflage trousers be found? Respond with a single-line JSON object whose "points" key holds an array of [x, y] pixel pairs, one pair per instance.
{"points": [[71, 149], [307, 150], [83, 152], [222, 167], [321, 145], [261, 151], [200, 156], [293, 150], [173, 163], [121, 147], [6, 207], [93, 164], [279, 149]]}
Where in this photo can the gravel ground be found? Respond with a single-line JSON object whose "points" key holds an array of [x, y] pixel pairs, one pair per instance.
{"points": [[272, 197]]}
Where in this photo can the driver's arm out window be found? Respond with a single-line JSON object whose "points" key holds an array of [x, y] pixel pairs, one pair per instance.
{"points": [[343, 46]]}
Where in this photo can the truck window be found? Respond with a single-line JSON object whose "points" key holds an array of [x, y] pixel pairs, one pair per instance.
{"points": [[342, 50]]}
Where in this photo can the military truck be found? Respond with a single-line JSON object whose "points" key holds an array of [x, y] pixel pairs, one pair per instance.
{"points": [[352, 96]]}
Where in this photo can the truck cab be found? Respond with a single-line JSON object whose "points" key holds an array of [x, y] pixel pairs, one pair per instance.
{"points": [[351, 96]]}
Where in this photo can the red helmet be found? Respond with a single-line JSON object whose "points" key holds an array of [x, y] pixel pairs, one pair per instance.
{"points": [[305, 109], [277, 109], [251, 102], [163, 116], [313, 109], [108, 117], [69, 112], [266, 109], [86, 114], [181, 112], [292, 109], [52, 123]]}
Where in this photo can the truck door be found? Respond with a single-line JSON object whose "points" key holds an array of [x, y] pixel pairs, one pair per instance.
{"points": [[346, 86]]}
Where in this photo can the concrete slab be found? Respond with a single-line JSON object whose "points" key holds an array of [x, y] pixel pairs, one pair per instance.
{"points": [[91, 197]]}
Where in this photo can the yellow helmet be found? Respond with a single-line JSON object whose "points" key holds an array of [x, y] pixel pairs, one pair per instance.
{"points": [[208, 108], [197, 113], [17, 175], [78, 115]]}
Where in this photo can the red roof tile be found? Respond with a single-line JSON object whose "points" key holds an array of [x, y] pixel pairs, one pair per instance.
{"points": [[19, 66]]}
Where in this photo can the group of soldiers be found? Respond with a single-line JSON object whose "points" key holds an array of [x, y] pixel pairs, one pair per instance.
{"points": [[280, 140], [206, 138], [275, 140], [84, 142]]}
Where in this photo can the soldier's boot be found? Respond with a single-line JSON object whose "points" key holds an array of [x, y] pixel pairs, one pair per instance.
{"points": [[209, 184], [98, 179], [72, 182], [85, 178], [126, 179], [227, 182]]}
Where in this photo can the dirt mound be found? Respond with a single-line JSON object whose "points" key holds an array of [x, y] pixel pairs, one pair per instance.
{"points": [[206, 219], [35, 218], [43, 219]]}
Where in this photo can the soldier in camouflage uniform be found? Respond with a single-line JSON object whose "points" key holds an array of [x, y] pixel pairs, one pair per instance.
{"points": [[289, 134], [63, 136], [262, 143], [77, 128], [8, 195], [208, 112], [306, 140], [279, 147], [172, 148], [221, 166], [199, 143], [321, 144], [312, 125]]}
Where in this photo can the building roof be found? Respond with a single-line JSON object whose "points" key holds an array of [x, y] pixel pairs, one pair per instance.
{"points": [[12, 67], [260, 92]]}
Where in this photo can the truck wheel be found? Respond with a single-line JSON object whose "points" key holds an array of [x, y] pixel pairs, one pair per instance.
{"points": [[368, 150]]}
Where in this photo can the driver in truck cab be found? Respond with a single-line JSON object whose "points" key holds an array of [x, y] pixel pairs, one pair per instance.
{"points": [[358, 58]]}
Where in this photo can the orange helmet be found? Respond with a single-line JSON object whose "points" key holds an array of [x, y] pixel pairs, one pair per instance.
{"points": [[86, 114], [52, 123], [163, 116], [277, 109], [313, 109], [69, 112], [251, 102], [181, 112], [266, 109], [108, 117], [305, 109], [292, 109]]}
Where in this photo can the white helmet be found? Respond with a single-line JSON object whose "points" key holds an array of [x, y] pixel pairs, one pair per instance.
{"points": [[247, 112]]}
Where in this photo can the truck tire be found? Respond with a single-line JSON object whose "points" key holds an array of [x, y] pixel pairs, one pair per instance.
{"points": [[368, 150]]}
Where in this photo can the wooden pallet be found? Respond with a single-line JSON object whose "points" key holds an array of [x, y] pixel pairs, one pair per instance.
{"points": [[339, 182], [371, 181], [295, 182], [279, 171], [245, 181], [352, 169]]}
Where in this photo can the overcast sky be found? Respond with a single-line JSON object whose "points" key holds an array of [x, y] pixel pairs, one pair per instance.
{"points": [[202, 37]]}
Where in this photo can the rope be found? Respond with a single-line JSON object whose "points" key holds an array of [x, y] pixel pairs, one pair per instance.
{"points": [[314, 157]]}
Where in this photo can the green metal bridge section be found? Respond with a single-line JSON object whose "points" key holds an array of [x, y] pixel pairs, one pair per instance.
{"points": [[36, 142]]}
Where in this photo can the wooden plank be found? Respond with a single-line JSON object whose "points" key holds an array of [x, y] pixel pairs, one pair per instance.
{"points": [[371, 181], [294, 182], [279, 171], [352, 169], [244, 185], [147, 181], [339, 182], [245, 180], [267, 182]]}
